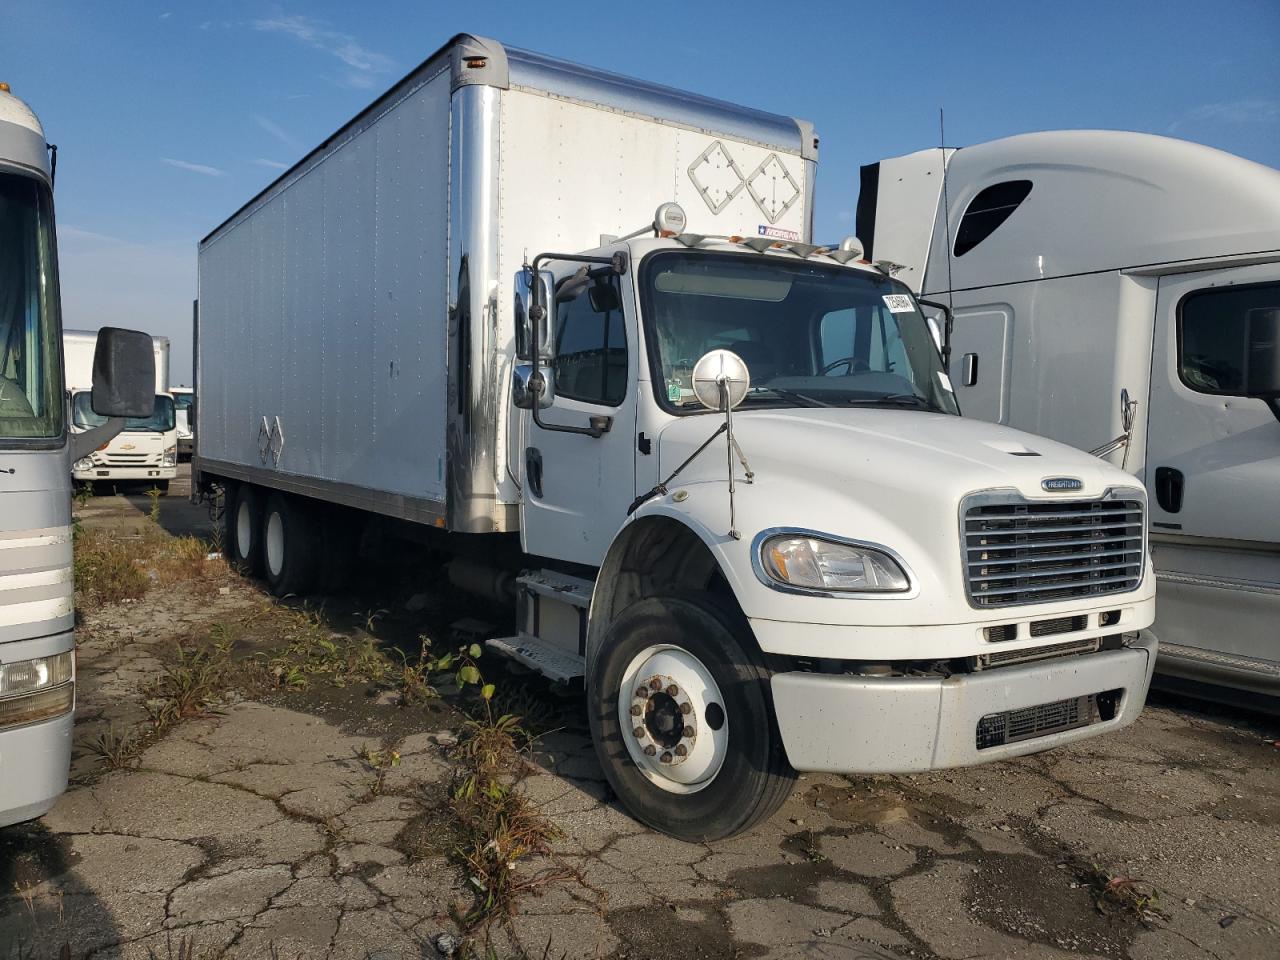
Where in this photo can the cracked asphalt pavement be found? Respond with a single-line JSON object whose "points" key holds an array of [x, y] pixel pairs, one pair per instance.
{"points": [[257, 832]]}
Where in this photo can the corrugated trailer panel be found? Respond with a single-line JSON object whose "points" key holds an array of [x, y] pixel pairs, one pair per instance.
{"points": [[323, 314]]}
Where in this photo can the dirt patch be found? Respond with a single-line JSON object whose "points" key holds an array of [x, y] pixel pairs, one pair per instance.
{"points": [[1033, 899], [677, 932]]}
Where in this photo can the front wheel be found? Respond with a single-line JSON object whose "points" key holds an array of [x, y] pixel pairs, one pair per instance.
{"points": [[682, 719]]}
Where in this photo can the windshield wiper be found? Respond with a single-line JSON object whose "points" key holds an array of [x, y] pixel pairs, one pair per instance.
{"points": [[899, 400], [795, 397]]}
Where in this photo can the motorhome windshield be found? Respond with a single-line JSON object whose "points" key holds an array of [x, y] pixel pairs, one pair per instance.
{"points": [[811, 335], [30, 382], [162, 419]]}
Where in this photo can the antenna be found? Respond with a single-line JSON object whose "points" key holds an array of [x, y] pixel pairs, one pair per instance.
{"points": [[946, 203]]}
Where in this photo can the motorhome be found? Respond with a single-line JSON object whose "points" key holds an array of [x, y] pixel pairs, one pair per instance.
{"points": [[183, 398], [146, 450], [37, 646], [714, 470], [1120, 292]]}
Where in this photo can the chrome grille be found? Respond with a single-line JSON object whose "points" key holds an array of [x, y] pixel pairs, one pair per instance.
{"points": [[1018, 551], [127, 459]]}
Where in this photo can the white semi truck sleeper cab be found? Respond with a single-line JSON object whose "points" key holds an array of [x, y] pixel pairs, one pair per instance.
{"points": [[718, 472]]}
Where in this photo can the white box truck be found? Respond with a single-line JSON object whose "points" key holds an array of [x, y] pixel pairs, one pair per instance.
{"points": [[37, 647], [183, 399], [1119, 285], [146, 450], [715, 469]]}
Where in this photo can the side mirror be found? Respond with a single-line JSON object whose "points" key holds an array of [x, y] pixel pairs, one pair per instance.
{"points": [[935, 330], [523, 323], [124, 374], [522, 392], [1262, 354], [941, 331], [720, 380]]}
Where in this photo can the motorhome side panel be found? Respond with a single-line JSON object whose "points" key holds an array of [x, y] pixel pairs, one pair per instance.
{"points": [[323, 321]]}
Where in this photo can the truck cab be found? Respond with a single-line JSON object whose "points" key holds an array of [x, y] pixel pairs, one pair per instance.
{"points": [[145, 451], [921, 590]]}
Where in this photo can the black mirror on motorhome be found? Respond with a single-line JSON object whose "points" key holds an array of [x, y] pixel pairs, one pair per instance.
{"points": [[1262, 358], [124, 374]]}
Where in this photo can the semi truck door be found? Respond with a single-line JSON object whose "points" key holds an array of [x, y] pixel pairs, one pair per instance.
{"points": [[1213, 465], [576, 488], [979, 352]]}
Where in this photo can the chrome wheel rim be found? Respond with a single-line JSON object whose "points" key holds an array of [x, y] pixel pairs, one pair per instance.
{"points": [[244, 530], [673, 719]]}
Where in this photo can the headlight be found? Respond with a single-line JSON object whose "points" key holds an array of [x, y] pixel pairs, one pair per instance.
{"points": [[811, 563], [170, 458], [35, 690], [84, 463]]}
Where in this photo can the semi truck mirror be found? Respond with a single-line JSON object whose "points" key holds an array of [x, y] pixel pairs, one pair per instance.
{"points": [[718, 376], [124, 374], [523, 322], [522, 391], [1262, 354]]}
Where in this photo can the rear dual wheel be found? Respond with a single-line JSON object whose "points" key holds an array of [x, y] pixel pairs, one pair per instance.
{"points": [[682, 719], [273, 535]]}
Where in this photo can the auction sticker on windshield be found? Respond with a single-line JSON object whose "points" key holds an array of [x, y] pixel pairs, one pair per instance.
{"points": [[898, 303]]}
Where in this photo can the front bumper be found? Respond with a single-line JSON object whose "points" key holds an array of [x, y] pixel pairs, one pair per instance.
{"points": [[97, 472], [854, 724], [33, 768]]}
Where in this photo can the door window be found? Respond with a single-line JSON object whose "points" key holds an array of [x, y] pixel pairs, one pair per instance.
{"points": [[591, 344], [1220, 330]]}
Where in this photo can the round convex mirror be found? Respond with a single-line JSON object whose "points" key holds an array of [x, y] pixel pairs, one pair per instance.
{"points": [[716, 367]]}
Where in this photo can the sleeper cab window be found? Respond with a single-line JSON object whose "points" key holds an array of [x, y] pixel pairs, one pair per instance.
{"points": [[1224, 333], [591, 342], [991, 207]]}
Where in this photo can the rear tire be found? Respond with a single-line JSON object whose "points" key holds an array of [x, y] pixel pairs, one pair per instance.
{"points": [[733, 771], [290, 545], [243, 517]]}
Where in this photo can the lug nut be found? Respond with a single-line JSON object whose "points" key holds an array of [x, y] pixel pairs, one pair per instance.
{"points": [[638, 733], [655, 684], [665, 758], [688, 731], [681, 750], [636, 710], [650, 750], [686, 708], [672, 690]]}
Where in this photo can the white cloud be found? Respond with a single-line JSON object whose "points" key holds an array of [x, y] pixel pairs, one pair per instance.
{"points": [[277, 131], [272, 164], [1245, 111], [200, 168], [364, 65]]}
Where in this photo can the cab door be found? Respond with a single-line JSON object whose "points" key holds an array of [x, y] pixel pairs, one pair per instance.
{"points": [[575, 488], [1213, 465]]}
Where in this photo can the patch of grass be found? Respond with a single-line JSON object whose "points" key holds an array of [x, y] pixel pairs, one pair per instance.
{"points": [[109, 569], [1114, 892], [116, 749], [379, 763], [194, 680], [105, 570], [314, 651], [496, 824], [153, 513]]}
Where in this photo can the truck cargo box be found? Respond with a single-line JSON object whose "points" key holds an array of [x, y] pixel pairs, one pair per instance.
{"points": [[355, 318]]}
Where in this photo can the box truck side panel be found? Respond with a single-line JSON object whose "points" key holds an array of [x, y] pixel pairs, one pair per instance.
{"points": [[325, 308]]}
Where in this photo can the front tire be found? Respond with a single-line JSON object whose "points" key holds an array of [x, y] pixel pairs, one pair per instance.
{"points": [[290, 546], [682, 719]]}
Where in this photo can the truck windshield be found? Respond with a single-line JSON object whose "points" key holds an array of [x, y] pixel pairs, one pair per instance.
{"points": [[30, 381], [811, 334], [162, 419]]}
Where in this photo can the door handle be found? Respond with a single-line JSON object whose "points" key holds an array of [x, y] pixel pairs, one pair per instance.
{"points": [[1169, 486], [533, 471], [969, 371]]}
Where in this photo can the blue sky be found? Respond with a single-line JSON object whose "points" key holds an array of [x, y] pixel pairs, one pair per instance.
{"points": [[169, 115]]}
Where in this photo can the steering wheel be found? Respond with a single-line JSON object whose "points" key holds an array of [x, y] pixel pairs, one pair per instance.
{"points": [[852, 364]]}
